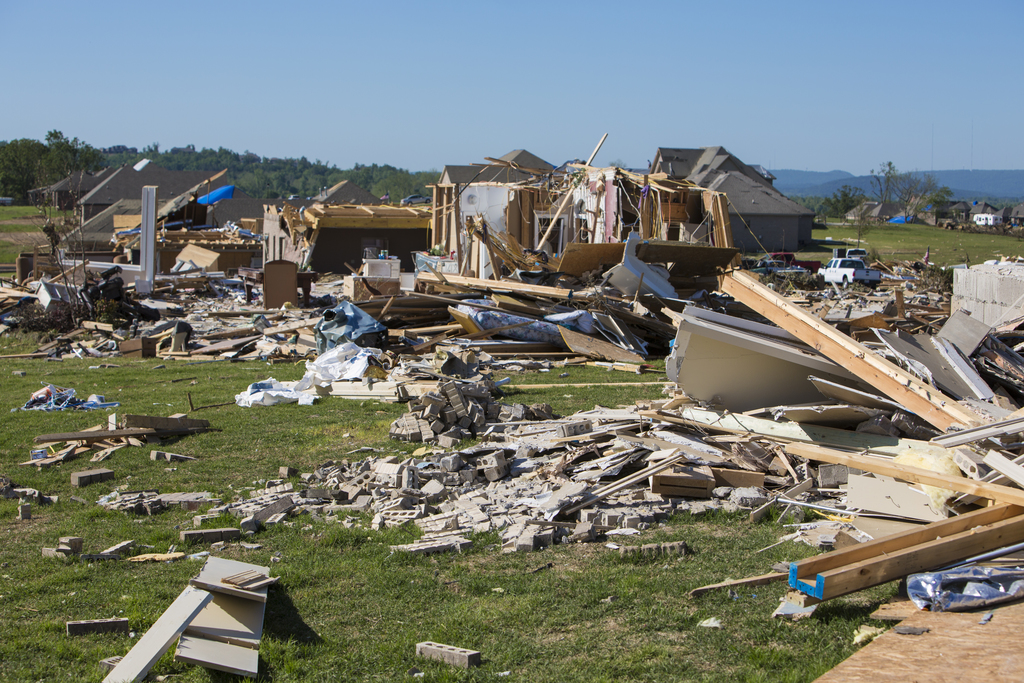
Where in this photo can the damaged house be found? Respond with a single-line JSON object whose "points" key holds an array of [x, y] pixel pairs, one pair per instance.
{"points": [[763, 218]]}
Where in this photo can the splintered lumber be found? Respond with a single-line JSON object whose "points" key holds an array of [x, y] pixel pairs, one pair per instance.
{"points": [[627, 481], [738, 423], [498, 286], [91, 437], [217, 569], [927, 401], [956, 646], [158, 639], [920, 549], [749, 581], [916, 475]]}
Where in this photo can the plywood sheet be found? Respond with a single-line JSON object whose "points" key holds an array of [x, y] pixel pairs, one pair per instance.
{"points": [[956, 648], [158, 639], [964, 332], [579, 258], [230, 619], [597, 348], [204, 258], [211, 654]]}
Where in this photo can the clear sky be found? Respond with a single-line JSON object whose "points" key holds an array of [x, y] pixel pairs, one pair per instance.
{"points": [[818, 85]]}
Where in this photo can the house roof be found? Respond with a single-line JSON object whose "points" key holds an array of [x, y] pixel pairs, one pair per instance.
{"points": [[1018, 211], [496, 173], [346, 192], [983, 207], [80, 182], [524, 159], [97, 231], [127, 183], [688, 163], [748, 197]]}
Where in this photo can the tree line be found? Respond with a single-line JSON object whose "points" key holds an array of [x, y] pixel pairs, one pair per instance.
{"points": [[27, 164], [914, 193]]}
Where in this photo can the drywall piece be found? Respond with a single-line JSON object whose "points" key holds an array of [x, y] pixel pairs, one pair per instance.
{"points": [[161, 635], [740, 370], [49, 292], [889, 497], [633, 274], [216, 568], [930, 363], [212, 654], [926, 401], [964, 369], [840, 416], [1006, 467], [230, 619], [200, 257]]}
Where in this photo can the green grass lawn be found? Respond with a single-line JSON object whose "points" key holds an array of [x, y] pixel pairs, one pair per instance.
{"points": [[346, 607], [891, 242]]}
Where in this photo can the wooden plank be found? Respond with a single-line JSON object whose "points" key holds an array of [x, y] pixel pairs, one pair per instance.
{"points": [[216, 568], [213, 654], [923, 557], [227, 345], [895, 542], [929, 403], [161, 635], [499, 286], [761, 580], [156, 422], [957, 647], [737, 423], [1002, 494]]}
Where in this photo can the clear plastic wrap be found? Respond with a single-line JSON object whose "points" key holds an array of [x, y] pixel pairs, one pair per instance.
{"points": [[965, 588]]}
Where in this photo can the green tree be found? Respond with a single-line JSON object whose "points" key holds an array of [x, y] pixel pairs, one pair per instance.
{"points": [[20, 164], [64, 157], [843, 201]]}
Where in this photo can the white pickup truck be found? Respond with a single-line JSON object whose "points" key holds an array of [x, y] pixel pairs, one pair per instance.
{"points": [[843, 271]]}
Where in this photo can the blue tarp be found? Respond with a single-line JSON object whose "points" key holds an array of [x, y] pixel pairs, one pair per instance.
{"points": [[226, 192], [898, 219]]}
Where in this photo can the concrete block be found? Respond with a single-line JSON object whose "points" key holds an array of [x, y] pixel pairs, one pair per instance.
{"points": [[249, 524], [286, 472], [25, 512], [78, 628], [456, 656], [832, 476], [91, 477], [281, 505], [119, 550]]}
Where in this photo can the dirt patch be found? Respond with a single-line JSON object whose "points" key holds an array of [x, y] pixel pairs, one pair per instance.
{"points": [[26, 239]]}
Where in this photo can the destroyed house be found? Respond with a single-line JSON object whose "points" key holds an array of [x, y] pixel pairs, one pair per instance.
{"points": [[335, 238], [127, 183], [763, 219], [346, 192]]}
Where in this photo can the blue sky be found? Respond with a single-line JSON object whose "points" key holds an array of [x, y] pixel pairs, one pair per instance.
{"points": [[804, 85]]}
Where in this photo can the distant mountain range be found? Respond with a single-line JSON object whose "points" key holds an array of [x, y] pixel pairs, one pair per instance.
{"points": [[1000, 185]]}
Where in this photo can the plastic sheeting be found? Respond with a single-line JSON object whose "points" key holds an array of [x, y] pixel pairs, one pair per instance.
{"points": [[537, 330], [270, 392], [347, 323], [344, 362], [51, 398], [958, 590], [226, 192]]}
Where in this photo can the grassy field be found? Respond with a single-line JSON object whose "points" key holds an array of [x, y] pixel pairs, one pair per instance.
{"points": [[909, 242], [13, 220], [348, 609]]}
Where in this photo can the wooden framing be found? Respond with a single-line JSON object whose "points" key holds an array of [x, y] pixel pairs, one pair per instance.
{"points": [[927, 401], [935, 545], [996, 492]]}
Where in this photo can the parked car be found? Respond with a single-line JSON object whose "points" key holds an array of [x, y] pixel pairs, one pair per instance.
{"points": [[416, 199], [846, 270], [857, 253], [771, 266]]}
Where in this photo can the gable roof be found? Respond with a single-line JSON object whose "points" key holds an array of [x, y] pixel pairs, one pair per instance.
{"points": [[96, 232], [496, 173], [749, 197], [688, 163], [127, 183], [346, 192]]}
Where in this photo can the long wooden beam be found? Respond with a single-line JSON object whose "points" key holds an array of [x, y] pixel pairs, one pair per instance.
{"points": [[499, 285], [996, 492], [893, 557], [927, 401]]}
